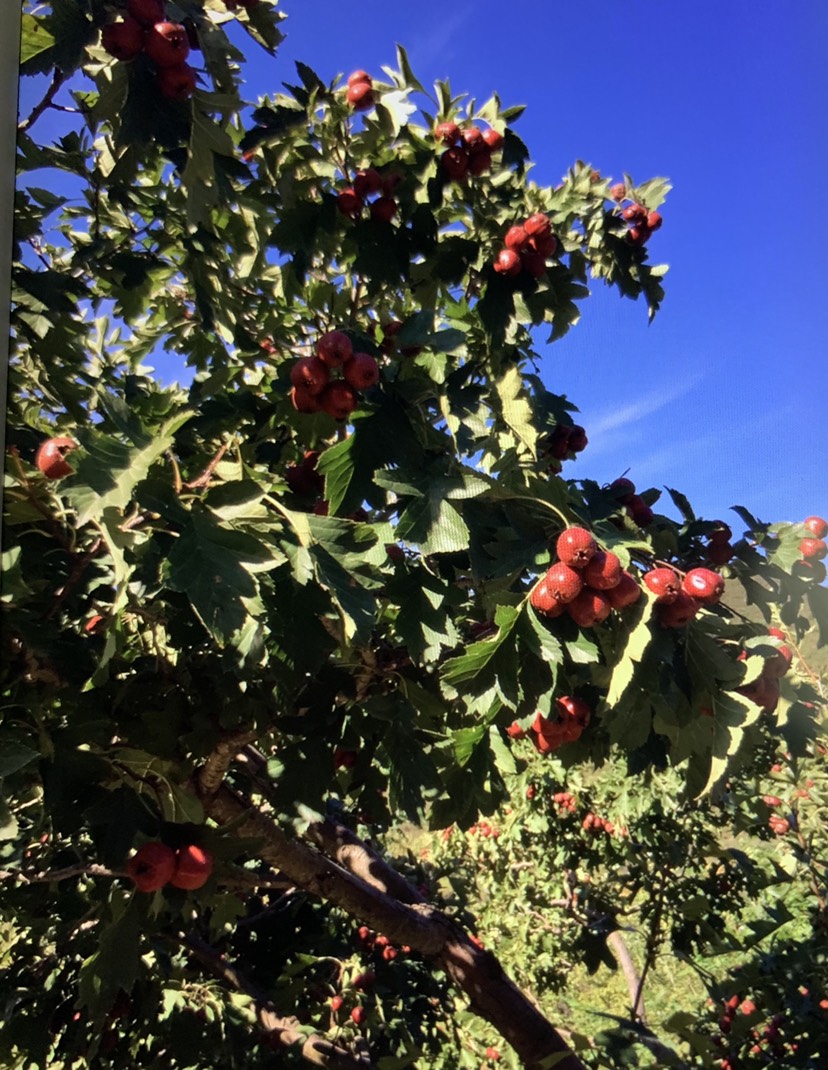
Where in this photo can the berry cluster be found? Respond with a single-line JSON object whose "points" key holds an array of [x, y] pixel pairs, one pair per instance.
{"points": [[367, 183], [303, 478], [144, 28], [565, 440], [469, 149], [719, 548], [565, 801], [641, 222], [623, 490], [813, 548], [586, 582], [527, 246], [381, 946], [594, 823], [155, 864], [768, 1042], [764, 690], [50, 458], [570, 718], [677, 600], [360, 92], [313, 389], [484, 829]]}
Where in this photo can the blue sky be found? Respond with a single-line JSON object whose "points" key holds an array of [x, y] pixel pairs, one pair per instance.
{"points": [[725, 395]]}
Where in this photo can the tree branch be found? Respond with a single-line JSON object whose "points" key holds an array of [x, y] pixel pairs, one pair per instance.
{"points": [[58, 78], [474, 970], [618, 946], [211, 774]]}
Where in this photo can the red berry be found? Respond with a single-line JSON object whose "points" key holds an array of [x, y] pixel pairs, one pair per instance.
{"points": [[590, 607], [493, 139], [654, 220], [563, 582], [360, 96], [151, 867], [50, 457], [389, 954], [472, 138], [719, 553], [384, 209], [343, 758], [664, 583], [447, 132], [679, 612], [338, 399], [626, 593], [361, 371], [635, 213], [704, 585], [304, 402], [124, 39], [537, 225], [640, 512], [544, 244], [167, 44], [311, 374], [359, 76], [514, 731], [544, 601], [147, 12], [507, 262], [176, 83], [578, 440], [516, 238], [812, 571], [533, 264], [193, 866], [574, 710], [603, 571], [358, 1015], [576, 547], [493, 1054], [367, 182], [334, 348], [349, 202], [638, 235], [813, 549], [336, 1003], [455, 162], [623, 490], [816, 526], [721, 532], [480, 162]]}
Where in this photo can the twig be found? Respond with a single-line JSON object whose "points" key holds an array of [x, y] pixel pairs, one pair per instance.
{"points": [[204, 479], [211, 774], [618, 946], [58, 78], [80, 566]]}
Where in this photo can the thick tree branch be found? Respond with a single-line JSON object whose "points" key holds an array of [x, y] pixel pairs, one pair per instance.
{"points": [[618, 946], [340, 844], [474, 970], [285, 1030], [211, 774]]}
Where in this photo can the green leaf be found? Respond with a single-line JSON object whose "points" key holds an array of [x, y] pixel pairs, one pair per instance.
{"points": [[633, 650], [35, 39], [516, 409], [114, 966], [15, 755]]}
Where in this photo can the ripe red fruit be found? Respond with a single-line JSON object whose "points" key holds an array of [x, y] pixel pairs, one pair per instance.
{"points": [[310, 373], [361, 371], [623, 490], [573, 710], [618, 192], [578, 440], [747, 1006], [533, 264], [812, 571], [493, 1054], [384, 209], [336, 1003], [367, 182], [590, 607], [349, 202], [603, 571], [638, 235], [303, 478], [654, 220], [338, 399], [626, 593], [193, 866], [679, 612], [167, 44], [304, 402], [817, 526], [514, 731], [664, 583], [544, 244], [493, 139], [704, 585], [780, 826], [176, 83], [516, 238], [472, 138], [51, 457], [358, 1015], [360, 96], [544, 601], [640, 512], [721, 532], [576, 547], [455, 162], [719, 553], [447, 132], [334, 348], [507, 262], [359, 76], [813, 549], [151, 867], [480, 162], [778, 664], [147, 12], [537, 225], [563, 582], [635, 213], [124, 39], [389, 953]]}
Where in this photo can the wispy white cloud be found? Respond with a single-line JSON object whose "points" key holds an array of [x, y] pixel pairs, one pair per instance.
{"points": [[645, 405], [440, 45]]}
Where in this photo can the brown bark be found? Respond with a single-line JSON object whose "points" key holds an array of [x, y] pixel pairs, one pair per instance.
{"points": [[474, 970], [618, 946]]}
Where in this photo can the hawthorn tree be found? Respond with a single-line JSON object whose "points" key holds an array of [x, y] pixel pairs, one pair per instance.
{"points": [[263, 631]]}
